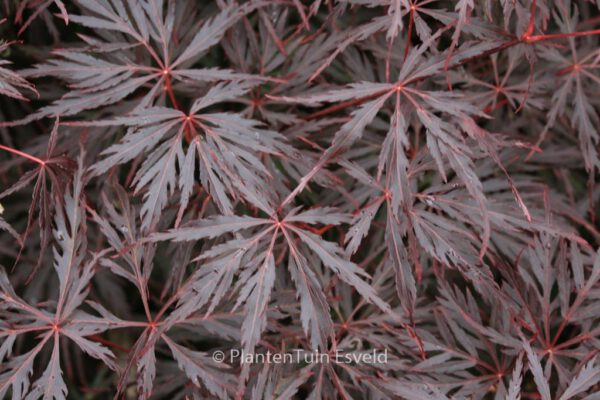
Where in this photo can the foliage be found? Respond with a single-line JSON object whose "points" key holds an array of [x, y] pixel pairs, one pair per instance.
{"points": [[189, 178]]}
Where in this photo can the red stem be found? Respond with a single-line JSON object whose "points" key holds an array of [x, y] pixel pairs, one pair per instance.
{"points": [[531, 25], [539, 38], [342, 105], [409, 31], [114, 345], [25, 155], [169, 89], [189, 130]]}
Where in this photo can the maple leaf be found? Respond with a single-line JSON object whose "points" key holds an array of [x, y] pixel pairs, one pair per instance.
{"points": [[56, 170], [257, 277], [65, 319], [11, 83], [39, 9], [103, 74], [224, 152], [571, 91]]}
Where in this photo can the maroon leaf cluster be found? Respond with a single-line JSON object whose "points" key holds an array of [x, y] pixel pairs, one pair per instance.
{"points": [[186, 181]]}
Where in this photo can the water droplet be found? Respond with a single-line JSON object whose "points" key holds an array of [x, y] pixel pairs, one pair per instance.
{"points": [[123, 229]]}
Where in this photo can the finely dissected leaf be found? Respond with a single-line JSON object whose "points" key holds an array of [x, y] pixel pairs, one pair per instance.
{"points": [[12, 84], [17, 372], [331, 256], [211, 32], [210, 228], [256, 294], [151, 126], [159, 172], [199, 367], [229, 138], [393, 158], [585, 379], [71, 246], [316, 320], [514, 389], [51, 384], [361, 223], [6, 227], [146, 367], [270, 384], [536, 369], [101, 80], [405, 282]]}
